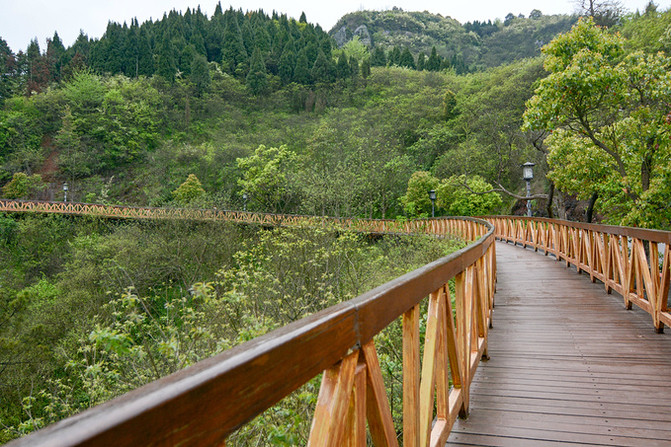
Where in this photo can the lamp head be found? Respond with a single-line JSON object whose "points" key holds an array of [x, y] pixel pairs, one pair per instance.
{"points": [[528, 170]]}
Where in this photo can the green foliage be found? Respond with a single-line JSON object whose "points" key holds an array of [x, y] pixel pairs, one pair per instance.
{"points": [[416, 201], [137, 301], [354, 48], [200, 74], [471, 46], [612, 111], [23, 186], [257, 80], [267, 176], [189, 191], [458, 195], [450, 105]]}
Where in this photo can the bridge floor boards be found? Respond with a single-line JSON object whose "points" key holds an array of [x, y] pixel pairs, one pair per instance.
{"points": [[568, 364]]}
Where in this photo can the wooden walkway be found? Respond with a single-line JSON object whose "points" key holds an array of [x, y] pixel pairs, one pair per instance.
{"points": [[569, 365]]}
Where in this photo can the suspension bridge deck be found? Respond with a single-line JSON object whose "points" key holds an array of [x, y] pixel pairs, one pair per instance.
{"points": [[569, 364]]}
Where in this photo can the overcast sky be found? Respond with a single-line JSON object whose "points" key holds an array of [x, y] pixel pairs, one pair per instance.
{"points": [[23, 20]]}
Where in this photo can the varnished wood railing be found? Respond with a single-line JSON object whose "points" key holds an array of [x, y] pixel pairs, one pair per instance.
{"points": [[381, 226], [624, 259], [203, 404]]}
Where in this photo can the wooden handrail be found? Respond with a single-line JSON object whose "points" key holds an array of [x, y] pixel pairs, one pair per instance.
{"points": [[203, 404], [624, 259]]}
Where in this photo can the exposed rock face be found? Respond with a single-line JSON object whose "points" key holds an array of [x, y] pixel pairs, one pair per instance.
{"points": [[344, 35], [341, 36], [364, 35]]}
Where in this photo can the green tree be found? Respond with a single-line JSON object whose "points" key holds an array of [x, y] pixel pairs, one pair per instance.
{"points": [[233, 50], [416, 202], [354, 48], [321, 71], [472, 196], [613, 109], [421, 61], [394, 57], [189, 191], [200, 74], [268, 177], [8, 71], [166, 66], [342, 68], [379, 58], [365, 68], [287, 64], [450, 105], [23, 186], [406, 59], [433, 63], [257, 79], [302, 70]]}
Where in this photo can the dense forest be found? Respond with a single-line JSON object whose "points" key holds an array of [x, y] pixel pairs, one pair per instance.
{"points": [[273, 114]]}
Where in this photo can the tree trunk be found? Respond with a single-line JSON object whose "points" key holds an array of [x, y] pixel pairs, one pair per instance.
{"points": [[590, 207], [551, 195], [645, 173]]}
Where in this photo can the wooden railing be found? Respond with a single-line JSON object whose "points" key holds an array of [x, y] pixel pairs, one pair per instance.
{"points": [[634, 262], [381, 226], [203, 404]]}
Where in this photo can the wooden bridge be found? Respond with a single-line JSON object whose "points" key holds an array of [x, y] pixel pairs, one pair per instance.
{"points": [[568, 363]]}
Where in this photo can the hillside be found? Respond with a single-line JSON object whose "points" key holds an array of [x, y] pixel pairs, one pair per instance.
{"points": [[478, 44]]}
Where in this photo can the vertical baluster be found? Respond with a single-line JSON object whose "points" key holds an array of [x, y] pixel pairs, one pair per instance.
{"points": [[411, 378], [464, 303], [378, 411], [665, 278]]}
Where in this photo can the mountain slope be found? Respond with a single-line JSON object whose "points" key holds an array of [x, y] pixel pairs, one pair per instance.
{"points": [[479, 44]]}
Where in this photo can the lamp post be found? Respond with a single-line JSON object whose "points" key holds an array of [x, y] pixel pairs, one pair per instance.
{"points": [[528, 174], [244, 200], [65, 191], [432, 197]]}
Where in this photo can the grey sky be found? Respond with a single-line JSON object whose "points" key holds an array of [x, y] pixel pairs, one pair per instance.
{"points": [[23, 20]]}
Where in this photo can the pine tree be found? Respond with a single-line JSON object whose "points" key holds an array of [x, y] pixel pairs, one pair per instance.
{"points": [[353, 67], [55, 57], [301, 71], [378, 59], [342, 69], [166, 67], [8, 71], [421, 61], [257, 79], [247, 36], [233, 48], [145, 61], [320, 70], [303, 19], [433, 64], [394, 57], [262, 39], [200, 74], [365, 69], [287, 63], [37, 70], [406, 59]]}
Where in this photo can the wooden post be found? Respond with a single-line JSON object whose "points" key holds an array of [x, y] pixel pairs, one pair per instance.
{"points": [[411, 378]]}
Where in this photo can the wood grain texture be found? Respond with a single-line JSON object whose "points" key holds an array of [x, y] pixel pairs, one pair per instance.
{"points": [[568, 365], [411, 378], [624, 259]]}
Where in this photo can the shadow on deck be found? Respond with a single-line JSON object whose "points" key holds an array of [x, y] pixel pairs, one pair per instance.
{"points": [[569, 365]]}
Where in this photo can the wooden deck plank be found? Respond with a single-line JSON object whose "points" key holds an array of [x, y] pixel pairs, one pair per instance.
{"points": [[569, 365]]}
